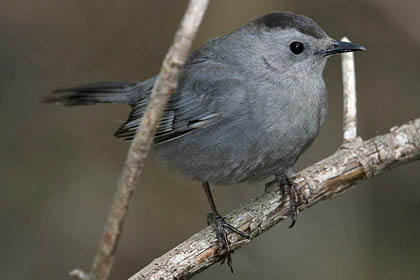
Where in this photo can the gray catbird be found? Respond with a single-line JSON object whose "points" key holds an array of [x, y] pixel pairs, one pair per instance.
{"points": [[247, 105]]}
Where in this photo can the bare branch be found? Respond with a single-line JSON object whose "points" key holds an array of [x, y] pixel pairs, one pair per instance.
{"points": [[164, 86], [353, 163], [349, 92]]}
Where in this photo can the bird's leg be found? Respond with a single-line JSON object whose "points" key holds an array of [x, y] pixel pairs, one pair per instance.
{"points": [[220, 227], [295, 195]]}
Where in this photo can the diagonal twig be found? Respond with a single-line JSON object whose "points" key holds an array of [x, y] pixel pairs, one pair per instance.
{"points": [[351, 164], [164, 86]]}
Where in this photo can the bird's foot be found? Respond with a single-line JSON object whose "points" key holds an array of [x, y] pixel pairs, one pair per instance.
{"points": [[221, 228], [295, 195]]}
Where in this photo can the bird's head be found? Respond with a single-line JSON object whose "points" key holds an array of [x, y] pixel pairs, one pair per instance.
{"points": [[291, 42]]}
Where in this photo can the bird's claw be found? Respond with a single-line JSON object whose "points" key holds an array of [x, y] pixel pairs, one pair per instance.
{"points": [[296, 195], [221, 227]]}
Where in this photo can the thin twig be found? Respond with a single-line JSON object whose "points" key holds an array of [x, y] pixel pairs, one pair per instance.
{"points": [[79, 274], [351, 164], [349, 93], [164, 86]]}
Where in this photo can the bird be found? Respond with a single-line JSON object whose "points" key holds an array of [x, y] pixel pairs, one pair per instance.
{"points": [[247, 105]]}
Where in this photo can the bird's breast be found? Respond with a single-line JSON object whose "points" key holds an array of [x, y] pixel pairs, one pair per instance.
{"points": [[287, 121]]}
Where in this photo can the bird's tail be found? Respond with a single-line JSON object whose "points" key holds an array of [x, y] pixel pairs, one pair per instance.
{"points": [[124, 93]]}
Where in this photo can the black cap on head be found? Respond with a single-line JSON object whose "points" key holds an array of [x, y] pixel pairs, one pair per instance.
{"points": [[284, 20]]}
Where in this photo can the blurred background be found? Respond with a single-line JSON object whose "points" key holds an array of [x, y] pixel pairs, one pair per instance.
{"points": [[59, 166]]}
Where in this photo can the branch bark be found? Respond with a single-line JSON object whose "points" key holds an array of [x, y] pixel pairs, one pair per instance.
{"points": [[164, 86], [353, 163]]}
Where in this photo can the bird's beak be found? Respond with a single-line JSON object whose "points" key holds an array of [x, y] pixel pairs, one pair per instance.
{"points": [[341, 47]]}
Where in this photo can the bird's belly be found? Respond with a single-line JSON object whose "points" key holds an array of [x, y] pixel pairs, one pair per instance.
{"points": [[223, 154]]}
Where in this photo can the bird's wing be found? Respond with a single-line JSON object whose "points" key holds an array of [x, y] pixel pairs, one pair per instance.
{"points": [[193, 106]]}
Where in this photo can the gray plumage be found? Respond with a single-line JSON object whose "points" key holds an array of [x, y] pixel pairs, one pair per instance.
{"points": [[246, 106]]}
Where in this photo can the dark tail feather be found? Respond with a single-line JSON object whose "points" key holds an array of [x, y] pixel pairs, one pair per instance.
{"points": [[123, 93]]}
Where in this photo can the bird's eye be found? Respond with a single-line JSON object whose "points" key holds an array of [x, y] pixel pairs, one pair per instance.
{"points": [[296, 47]]}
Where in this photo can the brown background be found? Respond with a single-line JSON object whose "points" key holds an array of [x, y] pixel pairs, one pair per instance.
{"points": [[59, 166]]}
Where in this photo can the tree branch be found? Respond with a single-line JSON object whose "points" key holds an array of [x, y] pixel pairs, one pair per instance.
{"points": [[353, 163], [164, 86]]}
